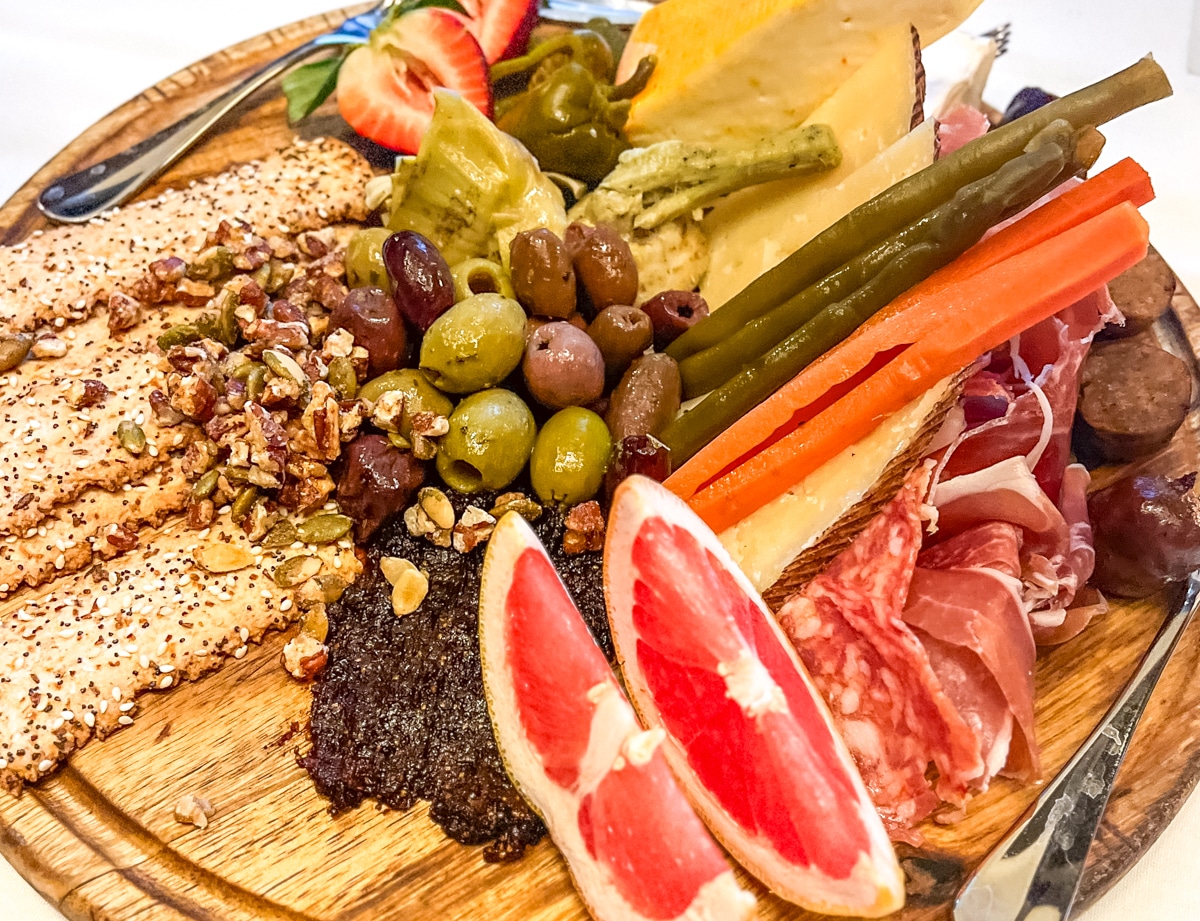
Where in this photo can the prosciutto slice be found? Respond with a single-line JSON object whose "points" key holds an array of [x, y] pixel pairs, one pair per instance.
{"points": [[872, 670]]}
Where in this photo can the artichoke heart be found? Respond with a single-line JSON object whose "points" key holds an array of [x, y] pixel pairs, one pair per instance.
{"points": [[471, 188]]}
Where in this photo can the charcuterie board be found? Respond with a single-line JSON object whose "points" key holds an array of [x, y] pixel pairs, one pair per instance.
{"points": [[99, 840]]}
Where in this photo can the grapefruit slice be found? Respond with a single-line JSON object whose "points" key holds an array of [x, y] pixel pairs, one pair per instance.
{"points": [[746, 732], [574, 748]]}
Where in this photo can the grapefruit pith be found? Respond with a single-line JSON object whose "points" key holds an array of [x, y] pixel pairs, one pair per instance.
{"points": [[574, 748], [746, 732]]}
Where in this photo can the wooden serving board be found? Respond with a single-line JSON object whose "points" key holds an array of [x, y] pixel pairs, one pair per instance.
{"points": [[99, 839]]}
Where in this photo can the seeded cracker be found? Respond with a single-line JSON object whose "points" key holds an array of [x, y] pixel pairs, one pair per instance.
{"points": [[66, 271], [50, 451], [96, 526], [74, 656]]}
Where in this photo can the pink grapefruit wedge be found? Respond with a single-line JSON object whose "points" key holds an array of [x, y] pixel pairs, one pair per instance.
{"points": [[575, 750], [746, 732]]}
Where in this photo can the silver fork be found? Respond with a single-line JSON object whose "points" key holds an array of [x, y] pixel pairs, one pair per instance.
{"points": [[82, 196]]}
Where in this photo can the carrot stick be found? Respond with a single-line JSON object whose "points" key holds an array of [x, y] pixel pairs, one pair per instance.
{"points": [[795, 401], [974, 316]]}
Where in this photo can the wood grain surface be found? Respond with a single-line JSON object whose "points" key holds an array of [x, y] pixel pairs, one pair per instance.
{"points": [[99, 838]]}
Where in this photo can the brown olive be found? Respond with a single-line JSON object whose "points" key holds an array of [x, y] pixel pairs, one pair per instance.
{"points": [[563, 366], [542, 275], [604, 266], [623, 333], [646, 399], [1147, 533], [673, 313], [377, 481], [371, 316]]}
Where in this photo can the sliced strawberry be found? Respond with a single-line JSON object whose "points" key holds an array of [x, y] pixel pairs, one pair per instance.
{"points": [[502, 26], [385, 88]]}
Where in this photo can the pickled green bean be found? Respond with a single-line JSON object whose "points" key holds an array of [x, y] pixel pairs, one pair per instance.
{"points": [[957, 226], [990, 199], [907, 200]]}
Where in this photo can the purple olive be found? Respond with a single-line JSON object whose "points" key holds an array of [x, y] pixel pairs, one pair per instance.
{"points": [[604, 266], [421, 280], [673, 313], [377, 481], [370, 315], [563, 366]]}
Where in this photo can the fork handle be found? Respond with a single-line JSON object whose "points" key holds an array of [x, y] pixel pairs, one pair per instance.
{"points": [[82, 196], [1035, 871]]}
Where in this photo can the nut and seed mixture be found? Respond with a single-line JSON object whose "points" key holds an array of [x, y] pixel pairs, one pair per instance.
{"points": [[74, 655], [63, 273]]}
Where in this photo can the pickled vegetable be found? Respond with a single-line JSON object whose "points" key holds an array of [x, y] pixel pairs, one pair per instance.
{"points": [[371, 316], [570, 457], [475, 344], [563, 366], [1147, 533], [491, 436], [909, 199], [420, 279], [952, 229]]}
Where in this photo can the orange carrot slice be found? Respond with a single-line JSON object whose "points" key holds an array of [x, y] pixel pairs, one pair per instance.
{"points": [[827, 378], [949, 329]]}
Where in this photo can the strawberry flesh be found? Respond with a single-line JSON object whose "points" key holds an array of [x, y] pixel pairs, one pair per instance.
{"points": [[385, 88], [502, 26]]}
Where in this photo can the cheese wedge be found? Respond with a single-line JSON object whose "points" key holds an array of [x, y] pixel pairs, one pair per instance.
{"points": [[811, 513], [749, 68], [750, 231]]}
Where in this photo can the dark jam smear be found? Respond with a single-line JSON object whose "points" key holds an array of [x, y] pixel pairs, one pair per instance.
{"points": [[399, 715]]}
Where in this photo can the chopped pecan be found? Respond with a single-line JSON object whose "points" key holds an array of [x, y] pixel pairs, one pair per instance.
{"points": [[249, 292], [473, 528], [121, 538], [286, 312], [283, 247], [235, 397], [194, 293], [225, 430], [388, 411], [280, 392], [87, 392], [320, 437], [305, 488], [267, 440], [304, 656], [199, 457], [124, 312], [195, 397], [328, 292], [350, 418], [166, 414], [338, 344], [585, 528], [169, 270], [317, 243], [200, 513], [274, 333]]}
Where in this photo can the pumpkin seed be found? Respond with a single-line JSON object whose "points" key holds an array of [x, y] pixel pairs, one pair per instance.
{"points": [[436, 504], [179, 334], [243, 503], [206, 485], [342, 378], [296, 571], [131, 436], [242, 372], [315, 623], [282, 535], [256, 382], [14, 350], [332, 587], [221, 326], [516, 502], [399, 441], [285, 366], [324, 529], [213, 264]]}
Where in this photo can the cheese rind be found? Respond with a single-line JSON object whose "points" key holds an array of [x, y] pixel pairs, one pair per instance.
{"points": [[748, 236], [751, 68]]}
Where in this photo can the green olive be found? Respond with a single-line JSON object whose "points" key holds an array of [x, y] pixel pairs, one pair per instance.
{"points": [[491, 436], [571, 456], [475, 344], [420, 396], [364, 259], [480, 276]]}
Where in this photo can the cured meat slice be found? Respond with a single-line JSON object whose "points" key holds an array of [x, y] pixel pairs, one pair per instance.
{"points": [[965, 605], [746, 732], [575, 750], [871, 668]]}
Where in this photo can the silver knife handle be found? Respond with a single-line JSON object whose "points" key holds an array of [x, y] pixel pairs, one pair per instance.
{"points": [[82, 196], [1035, 871]]}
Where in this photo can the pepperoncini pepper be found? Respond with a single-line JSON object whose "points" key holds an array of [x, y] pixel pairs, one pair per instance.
{"points": [[570, 115]]}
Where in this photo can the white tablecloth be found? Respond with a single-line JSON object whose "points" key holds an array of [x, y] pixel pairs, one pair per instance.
{"points": [[65, 64]]}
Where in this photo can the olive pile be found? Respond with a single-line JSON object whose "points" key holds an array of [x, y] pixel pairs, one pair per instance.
{"points": [[550, 363]]}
